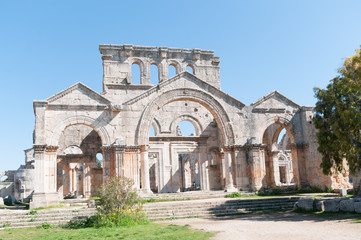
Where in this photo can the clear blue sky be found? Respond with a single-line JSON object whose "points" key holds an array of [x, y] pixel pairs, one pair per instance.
{"points": [[46, 46]]}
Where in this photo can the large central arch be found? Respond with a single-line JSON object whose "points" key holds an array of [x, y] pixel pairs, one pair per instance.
{"points": [[203, 98]]}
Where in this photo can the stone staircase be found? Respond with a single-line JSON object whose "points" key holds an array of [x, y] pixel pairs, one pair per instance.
{"points": [[216, 207], [156, 210]]}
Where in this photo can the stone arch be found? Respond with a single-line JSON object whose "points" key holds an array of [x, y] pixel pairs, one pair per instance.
{"points": [[203, 98], [270, 136], [140, 63], [84, 120], [192, 67], [283, 122], [159, 69], [175, 64], [156, 126], [197, 125]]}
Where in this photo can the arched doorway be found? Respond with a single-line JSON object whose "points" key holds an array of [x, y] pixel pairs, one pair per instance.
{"points": [[78, 168], [280, 163]]}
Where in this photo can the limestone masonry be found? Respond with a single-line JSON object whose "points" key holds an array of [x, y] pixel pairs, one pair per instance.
{"points": [[82, 138]]}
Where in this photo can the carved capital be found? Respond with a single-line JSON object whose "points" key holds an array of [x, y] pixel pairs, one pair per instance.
{"points": [[39, 148], [51, 148], [107, 149], [144, 148], [107, 57], [134, 149]]}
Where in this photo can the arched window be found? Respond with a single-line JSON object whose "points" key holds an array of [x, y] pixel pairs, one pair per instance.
{"points": [[283, 141], [99, 160], [154, 74], [190, 69], [172, 71], [151, 132], [135, 73], [185, 128]]}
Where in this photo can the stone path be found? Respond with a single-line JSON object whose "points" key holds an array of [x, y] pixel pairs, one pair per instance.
{"points": [[275, 226]]}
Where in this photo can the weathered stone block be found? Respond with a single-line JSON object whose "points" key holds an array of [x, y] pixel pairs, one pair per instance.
{"points": [[347, 205], [357, 206], [319, 205], [331, 206], [305, 204]]}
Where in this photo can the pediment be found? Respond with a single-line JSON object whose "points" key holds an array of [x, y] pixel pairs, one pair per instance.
{"points": [[78, 94], [187, 80], [274, 102]]}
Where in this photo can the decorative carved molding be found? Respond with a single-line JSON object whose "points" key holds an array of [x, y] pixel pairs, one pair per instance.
{"points": [[132, 149], [51, 148], [39, 148]]}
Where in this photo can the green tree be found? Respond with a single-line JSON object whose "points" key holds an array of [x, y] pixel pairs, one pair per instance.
{"points": [[338, 118]]}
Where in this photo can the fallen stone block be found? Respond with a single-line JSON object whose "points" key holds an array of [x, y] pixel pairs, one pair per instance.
{"points": [[305, 204], [331, 206], [347, 205], [357, 206], [319, 205]]}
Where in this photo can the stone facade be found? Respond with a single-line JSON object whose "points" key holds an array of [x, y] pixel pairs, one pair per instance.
{"points": [[234, 146]]}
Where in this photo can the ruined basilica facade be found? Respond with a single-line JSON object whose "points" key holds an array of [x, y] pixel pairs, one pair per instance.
{"points": [[82, 138]]}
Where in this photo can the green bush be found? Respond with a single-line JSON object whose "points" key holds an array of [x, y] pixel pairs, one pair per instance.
{"points": [[119, 204], [234, 195]]}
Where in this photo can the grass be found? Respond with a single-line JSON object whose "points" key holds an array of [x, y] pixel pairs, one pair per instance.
{"points": [[148, 231]]}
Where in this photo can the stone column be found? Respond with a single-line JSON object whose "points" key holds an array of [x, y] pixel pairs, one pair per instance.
{"points": [[45, 191], [145, 75], [275, 169], [119, 160], [298, 162], [203, 167], [107, 150], [145, 169], [255, 166], [228, 170]]}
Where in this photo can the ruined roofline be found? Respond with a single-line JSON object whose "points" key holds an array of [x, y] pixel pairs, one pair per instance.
{"points": [[153, 49]]}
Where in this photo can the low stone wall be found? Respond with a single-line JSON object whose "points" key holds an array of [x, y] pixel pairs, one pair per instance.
{"points": [[330, 205]]}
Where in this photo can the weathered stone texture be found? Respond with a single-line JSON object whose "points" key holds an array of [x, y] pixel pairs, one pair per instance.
{"points": [[233, 145], [347, 205], [305, 204]]}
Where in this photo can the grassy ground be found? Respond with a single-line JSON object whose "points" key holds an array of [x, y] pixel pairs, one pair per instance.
{"points": [[148, 231]]}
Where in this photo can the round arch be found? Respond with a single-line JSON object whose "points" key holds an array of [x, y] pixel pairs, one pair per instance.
{"points": [[195, 122], [83, 120], [176, 65], [283, 123], [203, 98]]}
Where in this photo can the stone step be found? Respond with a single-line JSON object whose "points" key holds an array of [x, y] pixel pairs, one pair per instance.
{"points": [[160, 210]]}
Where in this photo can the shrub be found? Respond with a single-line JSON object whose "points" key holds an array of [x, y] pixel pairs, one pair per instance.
{"points": [[234, 195], [119, 204]]}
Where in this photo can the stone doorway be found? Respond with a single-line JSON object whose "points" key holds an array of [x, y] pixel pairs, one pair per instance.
{"points": [[190, 179]]}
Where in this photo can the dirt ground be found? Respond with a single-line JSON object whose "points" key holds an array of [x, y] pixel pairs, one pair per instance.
{"points": [[275, 226]]}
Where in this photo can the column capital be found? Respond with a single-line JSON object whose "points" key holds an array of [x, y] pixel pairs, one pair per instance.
{"points": [[107, 148], [144, 148], [39, 148], [254, 147], [51, 148]]}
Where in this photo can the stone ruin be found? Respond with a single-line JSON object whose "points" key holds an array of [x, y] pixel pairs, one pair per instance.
{"points": [[82, 138]]}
